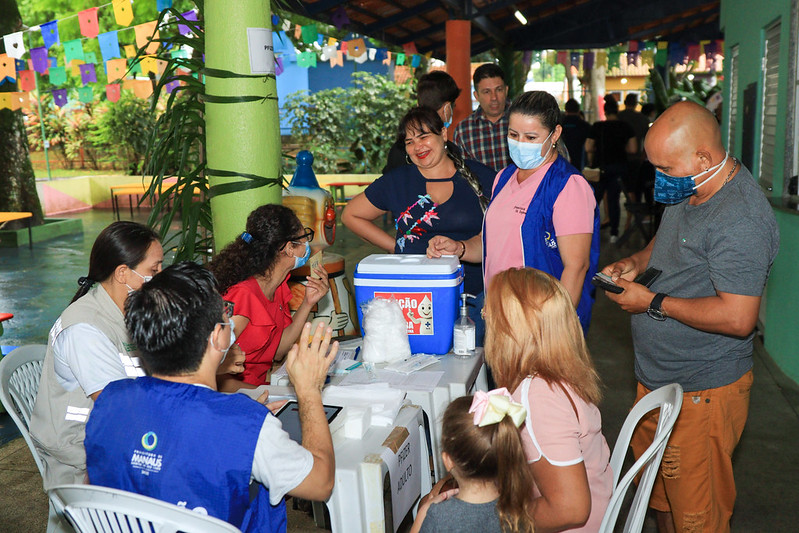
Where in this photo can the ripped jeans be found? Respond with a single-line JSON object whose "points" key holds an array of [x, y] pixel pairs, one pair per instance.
{"points": [[695, 482]]}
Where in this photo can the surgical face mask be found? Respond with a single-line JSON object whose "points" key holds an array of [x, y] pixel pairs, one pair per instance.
{"points": [[528, 156], [144, 278], [300, 261], [229, 323], [673, 190]]}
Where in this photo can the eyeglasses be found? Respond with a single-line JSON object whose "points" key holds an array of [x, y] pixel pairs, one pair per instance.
{"points": [[227, 309], [305, 237]]}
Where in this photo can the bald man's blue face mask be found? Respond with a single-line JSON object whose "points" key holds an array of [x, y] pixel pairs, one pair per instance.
{"points": [[673, 190]]}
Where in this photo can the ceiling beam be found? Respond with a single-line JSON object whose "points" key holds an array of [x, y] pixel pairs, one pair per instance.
{"points": [[403, 15]]}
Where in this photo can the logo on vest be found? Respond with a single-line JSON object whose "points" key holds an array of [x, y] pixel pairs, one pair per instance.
{"points": [[549, 241], [146, 461]]}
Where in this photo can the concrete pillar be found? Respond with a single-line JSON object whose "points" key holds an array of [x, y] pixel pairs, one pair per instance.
{"points": [[242, 137], [459, 66]]}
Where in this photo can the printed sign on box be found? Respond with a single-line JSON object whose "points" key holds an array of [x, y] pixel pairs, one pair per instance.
{"points": [[417, 308]]}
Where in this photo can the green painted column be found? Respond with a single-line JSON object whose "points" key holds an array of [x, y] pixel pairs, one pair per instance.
{"points": [[243, 138]]}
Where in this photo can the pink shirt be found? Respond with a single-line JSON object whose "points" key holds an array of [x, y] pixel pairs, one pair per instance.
{"points": [[573, 213], [553, 431]]}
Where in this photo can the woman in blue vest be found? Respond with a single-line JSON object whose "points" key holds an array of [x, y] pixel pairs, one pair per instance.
{"points": [[542, 212]]}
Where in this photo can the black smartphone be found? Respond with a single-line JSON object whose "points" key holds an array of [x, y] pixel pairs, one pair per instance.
{"points": [[289, 415], [648, 276], [604, 282]]}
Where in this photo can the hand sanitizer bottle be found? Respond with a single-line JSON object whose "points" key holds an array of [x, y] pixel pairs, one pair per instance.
{"points": [[464, 331]]}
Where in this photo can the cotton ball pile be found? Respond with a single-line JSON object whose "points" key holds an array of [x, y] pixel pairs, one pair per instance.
{"points": [[386, 332]]}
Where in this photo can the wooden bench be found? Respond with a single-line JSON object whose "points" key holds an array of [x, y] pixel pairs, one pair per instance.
{"points": [[133, 189], [8, 216]]}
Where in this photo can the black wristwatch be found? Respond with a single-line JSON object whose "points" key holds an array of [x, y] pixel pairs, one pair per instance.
{"points": [[655, 310]]}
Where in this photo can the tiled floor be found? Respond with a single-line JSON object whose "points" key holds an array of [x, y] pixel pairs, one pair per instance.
{"points": [[37, 285]]}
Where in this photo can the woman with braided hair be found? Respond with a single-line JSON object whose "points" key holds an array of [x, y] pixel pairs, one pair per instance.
{"points": [[437, 193]]}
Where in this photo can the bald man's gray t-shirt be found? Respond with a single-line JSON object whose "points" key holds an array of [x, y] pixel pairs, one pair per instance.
{"points": [[726, 244]]}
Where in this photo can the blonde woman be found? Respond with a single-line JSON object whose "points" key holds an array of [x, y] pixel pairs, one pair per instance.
{"points": [[536, 348]]}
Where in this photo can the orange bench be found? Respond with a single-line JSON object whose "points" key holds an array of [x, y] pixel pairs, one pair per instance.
{"points": [[8, 216], [337, 190]]}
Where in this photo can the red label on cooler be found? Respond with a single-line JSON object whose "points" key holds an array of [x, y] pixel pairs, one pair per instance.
{"points": [[417, 308]]}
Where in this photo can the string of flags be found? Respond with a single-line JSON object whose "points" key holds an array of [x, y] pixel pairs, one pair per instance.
{"points": [[80, 63]]}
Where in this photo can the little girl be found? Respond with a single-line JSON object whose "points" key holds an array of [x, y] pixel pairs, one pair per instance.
{"points": [[482, 449]]}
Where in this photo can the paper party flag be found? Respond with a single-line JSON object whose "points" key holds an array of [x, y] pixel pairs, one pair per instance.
{"points": [[90, 57], [602, 59], [50, 33], [116, 69], [148, 65], [73, 50], [58, 75], [648, 58], [7, 68], [298, 31], [306, 59], [88, 74], [563, 57], [60, 97], [372, 54], [135, 68], [328, 51], [613, 60], [25, 80], [15, 46], [632, 46], [144, 33], [19, 100], [20, 64], [340, 18], [337, 59], [416, 60], [588, 61], [574, 59], [52, 61], [171, 86], [400, 59], [387, 60], [130, 51], [343, 47], [109, 45], [85, 94], [286, 25], [112, 92], [123, 12], [355, 48], [128, 84], [5, 100], [160, 5], [309, 33], [143, 89], [88, 23], [190, 16], [74, 65], [275, 20], [279, 66]]}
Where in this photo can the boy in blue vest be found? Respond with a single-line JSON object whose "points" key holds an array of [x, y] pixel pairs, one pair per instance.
{"points": [[170, 435]]}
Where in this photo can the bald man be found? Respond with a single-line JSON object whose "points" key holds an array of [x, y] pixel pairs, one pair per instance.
{"points": [[695, 324]]}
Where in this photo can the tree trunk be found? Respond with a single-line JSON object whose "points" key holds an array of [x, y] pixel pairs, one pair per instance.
{"points": [[17, 181]]}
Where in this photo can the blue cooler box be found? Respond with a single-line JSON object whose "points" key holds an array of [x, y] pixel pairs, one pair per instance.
{"points": [[428, 291]]}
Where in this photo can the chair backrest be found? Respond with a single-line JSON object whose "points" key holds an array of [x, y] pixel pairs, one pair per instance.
{"points": [[669, 400], [20, 372], [90, 508]]}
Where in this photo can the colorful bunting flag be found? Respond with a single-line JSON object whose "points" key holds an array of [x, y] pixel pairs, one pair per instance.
{"points": [[387, 59], [60, 97], [8, 70], [574, 59], [190, 16], [19, 100], [112, 92], [337, 59], [601, 59], [88, 74], [123, 12], [309, 33], [171, 86], [148, 65], [355, 48], [400, 59], [410, 48], [297, 31], [109, 45], [588, 61], [306, 59], [25, 80], [15, 46], [73, 50], [116, 69], [86, 94], [130, 51], [416, 60], [88, 23], [160, 5], [340, 18], [5, 100], [74, 66], [58, 75], [146, 36], [143, 89], [50, 33], [39, 59], [20, 64], [613, 60], [661, 56], [90, 57], [279, 66]]}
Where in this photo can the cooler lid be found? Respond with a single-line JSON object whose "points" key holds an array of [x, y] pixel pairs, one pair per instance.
{"points": [[408, 264]]}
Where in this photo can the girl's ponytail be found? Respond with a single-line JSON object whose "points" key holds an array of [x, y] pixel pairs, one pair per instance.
{"points": [[514, 482]]}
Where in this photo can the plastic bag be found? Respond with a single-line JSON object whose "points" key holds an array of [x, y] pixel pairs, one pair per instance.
{"points": [[386, 338]]}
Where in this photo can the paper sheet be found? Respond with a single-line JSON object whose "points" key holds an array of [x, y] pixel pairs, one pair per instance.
{"points": [[421, 380]]}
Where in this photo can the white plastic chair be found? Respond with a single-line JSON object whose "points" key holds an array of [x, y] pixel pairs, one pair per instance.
{"points": [[669, 400], [94, 509], [20, 372]]}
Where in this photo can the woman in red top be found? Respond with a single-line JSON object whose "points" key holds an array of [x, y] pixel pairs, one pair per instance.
{"points": [[253, 273]]}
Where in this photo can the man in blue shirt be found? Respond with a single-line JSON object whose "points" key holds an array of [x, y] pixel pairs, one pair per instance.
{"points": [[170, 435]]}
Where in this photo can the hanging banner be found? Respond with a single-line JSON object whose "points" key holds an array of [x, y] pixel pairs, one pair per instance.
{"points": [[25, 80], [15, 46], [60, 97], [88, 23], [85, 95], [8, 69], [39, 59], [58, 75], [112, 92], [116, 69], [123, 12], [88, 74], [50, 33], [73, 50], [146, 35], [109, 45]]}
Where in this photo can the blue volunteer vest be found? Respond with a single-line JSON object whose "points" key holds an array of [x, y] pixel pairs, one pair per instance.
{"points": [[182, 444], [539, 244]]}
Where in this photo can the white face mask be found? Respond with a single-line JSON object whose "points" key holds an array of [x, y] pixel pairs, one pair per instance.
{"points": [[232, 339], [144, 278], [528, 155]]}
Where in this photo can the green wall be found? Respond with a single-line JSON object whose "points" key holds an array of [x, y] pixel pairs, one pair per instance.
{"points": [[745, 25]]}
